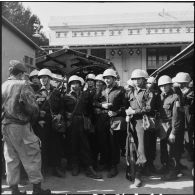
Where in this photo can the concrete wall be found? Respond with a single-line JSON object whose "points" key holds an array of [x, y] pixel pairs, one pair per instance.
{"points": [[13, 47]]}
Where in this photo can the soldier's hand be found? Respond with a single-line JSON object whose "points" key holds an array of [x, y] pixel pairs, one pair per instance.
{"points": [[42, 113], [111, 113], [129, 111], [41, 123], [172, 138], [106, 105], [58, 117]]}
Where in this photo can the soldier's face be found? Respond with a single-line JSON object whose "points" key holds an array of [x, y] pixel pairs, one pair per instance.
{"points": [[75, 85], [99, 84], [138, 82], [44, 80], [35, 80], [165, 88], [109, 80], [90, 83]]}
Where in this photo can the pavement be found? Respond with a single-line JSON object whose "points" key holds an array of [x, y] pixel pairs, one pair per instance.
{"points": [[83, 185]]}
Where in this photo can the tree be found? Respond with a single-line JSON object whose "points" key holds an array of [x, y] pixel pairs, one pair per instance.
{"points": [[24, 20]]}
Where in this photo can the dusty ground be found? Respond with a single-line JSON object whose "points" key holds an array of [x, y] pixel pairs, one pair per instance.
{"points": [[119, 184]]}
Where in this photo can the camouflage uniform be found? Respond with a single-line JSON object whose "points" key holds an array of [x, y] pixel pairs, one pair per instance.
{"points": [[20, 142]]}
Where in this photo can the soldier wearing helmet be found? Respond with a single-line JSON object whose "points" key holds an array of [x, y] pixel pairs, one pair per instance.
{"points": [[77, 135], [141, 102], [21, 145], [112, 107], [35, 82], [183, 79], [51, 140], [169, 126]]}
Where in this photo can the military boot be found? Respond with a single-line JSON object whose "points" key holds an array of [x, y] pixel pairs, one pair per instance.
{"points": [[113, 172], [38, 190], [163, 170], [57, 172], [172, 175], [16, 191], [90, 172], [137, 182]]}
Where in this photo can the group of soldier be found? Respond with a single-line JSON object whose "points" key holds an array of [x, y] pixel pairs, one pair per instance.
{"points": [[86, 122]]}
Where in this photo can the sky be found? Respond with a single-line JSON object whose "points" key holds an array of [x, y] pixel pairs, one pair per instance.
{"points": [[46, 9]]}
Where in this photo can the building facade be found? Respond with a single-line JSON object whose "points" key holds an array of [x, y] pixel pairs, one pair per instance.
{"points": [[141, 40], [16, 45]]}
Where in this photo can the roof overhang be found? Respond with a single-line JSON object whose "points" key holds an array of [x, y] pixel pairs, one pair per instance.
{"points": [[183, 61], [68, 62]]}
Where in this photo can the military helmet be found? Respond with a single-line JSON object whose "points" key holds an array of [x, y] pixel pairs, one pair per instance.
{"points": [[99, 77], [90, 76], [130, 82], [109, 72], [138, 73], [163, 80], [182, 77], [16, 65], [45, 72], [82, 80], [35, 72], [74, 78], [151, 80]]}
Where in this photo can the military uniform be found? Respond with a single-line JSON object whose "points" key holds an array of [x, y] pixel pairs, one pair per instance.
{"points": [[79, 146], [109, 127], [146, 105], [20, 142], [170, 122]]}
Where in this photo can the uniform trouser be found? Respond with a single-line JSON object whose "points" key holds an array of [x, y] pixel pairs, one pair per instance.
{"points": [[139, 138], [79, 143], [150, 145], [170, 153], [55, 149], [21, 145], [108, 141]]}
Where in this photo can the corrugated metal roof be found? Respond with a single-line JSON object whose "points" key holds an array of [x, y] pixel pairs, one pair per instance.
{"points": [[121, 18], [20, 33]]}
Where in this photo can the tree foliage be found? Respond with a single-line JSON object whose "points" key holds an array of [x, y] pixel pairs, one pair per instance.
{"points": [[23, 19]]}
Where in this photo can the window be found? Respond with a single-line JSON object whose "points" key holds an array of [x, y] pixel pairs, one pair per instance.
{"points": [[156, 57], [101, 53]]}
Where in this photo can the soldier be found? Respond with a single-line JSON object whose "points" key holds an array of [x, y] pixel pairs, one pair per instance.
{"points": [[98, 116], [20, 143], [113, 107], [51, 140], [79, 143], [35, 82], [183, 79], [141, 102], [90, 81], [170, 131]]}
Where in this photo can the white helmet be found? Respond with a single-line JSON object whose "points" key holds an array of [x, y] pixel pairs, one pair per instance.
{"points": [[35, 72], [109, 72], [82, 80], [163, 80], [138, 73], [130, 82], [45, 72], [99, 77], [74, 78], [151, 80], [182, 77], [90, 76]]}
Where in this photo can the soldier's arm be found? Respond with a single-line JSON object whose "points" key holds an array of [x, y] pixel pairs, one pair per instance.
{"points": [[28, 100], [176, 117]]}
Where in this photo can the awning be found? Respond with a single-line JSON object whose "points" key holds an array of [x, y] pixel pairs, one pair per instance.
{"points": [[68, 62], [182, 62]]}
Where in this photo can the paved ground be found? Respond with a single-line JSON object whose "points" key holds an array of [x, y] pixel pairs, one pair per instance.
{"points": [[119, 184]]}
